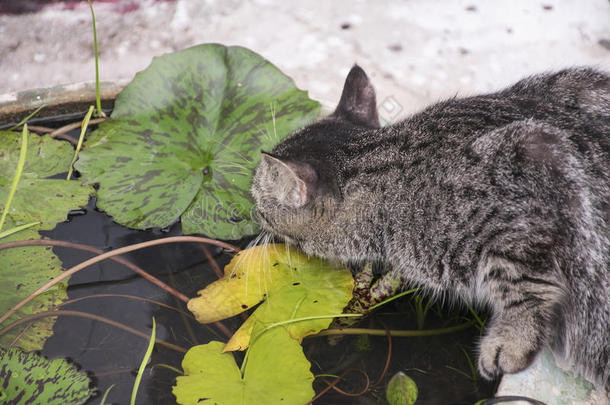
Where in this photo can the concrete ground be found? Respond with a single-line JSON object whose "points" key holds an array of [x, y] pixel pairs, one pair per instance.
{"points": [[416, 51]]}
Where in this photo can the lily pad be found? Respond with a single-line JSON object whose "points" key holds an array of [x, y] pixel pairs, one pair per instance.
{"points": [[28, 378], [185, 137], [290, 284], [45, 156], [276, 372], [48, 201], [38, 198], [23, 270]]}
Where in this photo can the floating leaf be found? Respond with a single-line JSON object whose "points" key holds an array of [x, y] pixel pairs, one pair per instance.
{"points": [[45, 157], [277, 372], [291, 285], [23, 270], [185, 136], [38, 198], [28, 378], [401, 390]]}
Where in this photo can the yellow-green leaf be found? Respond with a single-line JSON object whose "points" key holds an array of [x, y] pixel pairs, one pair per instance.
{"points": [[277, 372], [290, 284]]}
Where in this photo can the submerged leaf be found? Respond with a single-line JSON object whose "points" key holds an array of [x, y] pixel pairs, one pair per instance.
{"points": [[28, 378], [185, 137], [277, 372], [290, 284]]}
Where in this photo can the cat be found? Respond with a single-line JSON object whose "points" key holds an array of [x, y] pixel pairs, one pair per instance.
{"points": [[501, 199]]}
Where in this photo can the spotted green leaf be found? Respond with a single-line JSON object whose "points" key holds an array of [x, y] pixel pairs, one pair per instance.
{"points": [[22, 271], [38, 198], [185, 137], [28, 378]]}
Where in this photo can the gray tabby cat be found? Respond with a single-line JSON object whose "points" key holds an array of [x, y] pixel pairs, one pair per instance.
{"points": [[501, 199]]}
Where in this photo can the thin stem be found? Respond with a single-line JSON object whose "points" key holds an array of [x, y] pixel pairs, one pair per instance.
{"points": [[128, 264], [97, 259], [132, 297], [23, 121], [56, 133], [98, 101], [333, 385], [16, 229], [41, 129], [212, 261], [395, 297], [67, 312], [83, 129], [17, 176], [161, 304], [396, 333], [388, 357], [106, 393], [149, 349]]}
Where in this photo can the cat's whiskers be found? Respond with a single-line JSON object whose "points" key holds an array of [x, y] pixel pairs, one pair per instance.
{"points": [[245, 254], [234, 151], [272, 106], [221, 163]]}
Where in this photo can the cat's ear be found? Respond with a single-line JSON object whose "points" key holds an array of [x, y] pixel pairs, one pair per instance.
{"points": [[293, 182], [358, 103]]}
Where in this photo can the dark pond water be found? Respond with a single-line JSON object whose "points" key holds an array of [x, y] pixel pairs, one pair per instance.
{"points": [[112, 356]]}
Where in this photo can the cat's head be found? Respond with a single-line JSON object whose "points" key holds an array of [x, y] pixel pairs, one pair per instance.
{"points": [[297, 186]]}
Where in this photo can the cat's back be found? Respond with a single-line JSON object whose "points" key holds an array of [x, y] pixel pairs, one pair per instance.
{"points": [[572, 99]]}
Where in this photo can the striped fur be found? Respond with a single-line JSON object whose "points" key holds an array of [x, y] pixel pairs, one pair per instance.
{"points": [[500, 199]]}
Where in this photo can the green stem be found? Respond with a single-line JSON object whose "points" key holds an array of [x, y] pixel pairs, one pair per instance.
{"points": [[83, 129], [23, 121], [106, 394], [17, 229], [98, 100], [393, 298], [149, 350], [17, 176], [396, 333]]}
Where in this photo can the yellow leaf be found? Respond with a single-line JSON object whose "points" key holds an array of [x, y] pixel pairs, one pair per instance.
{"points": [[288, 283]]}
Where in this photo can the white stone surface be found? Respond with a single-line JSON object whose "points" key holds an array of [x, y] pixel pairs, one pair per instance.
{"points": [[546, 382], [416, 51]]}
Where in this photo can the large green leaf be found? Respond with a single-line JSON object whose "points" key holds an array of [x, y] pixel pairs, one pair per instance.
{"points": [[28, 378], [37, 198], [185, 137], [276, 372], [22, 271], [290, 284]]}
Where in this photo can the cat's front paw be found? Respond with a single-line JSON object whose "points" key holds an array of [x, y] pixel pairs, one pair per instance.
{"points": [[500, 354]]}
